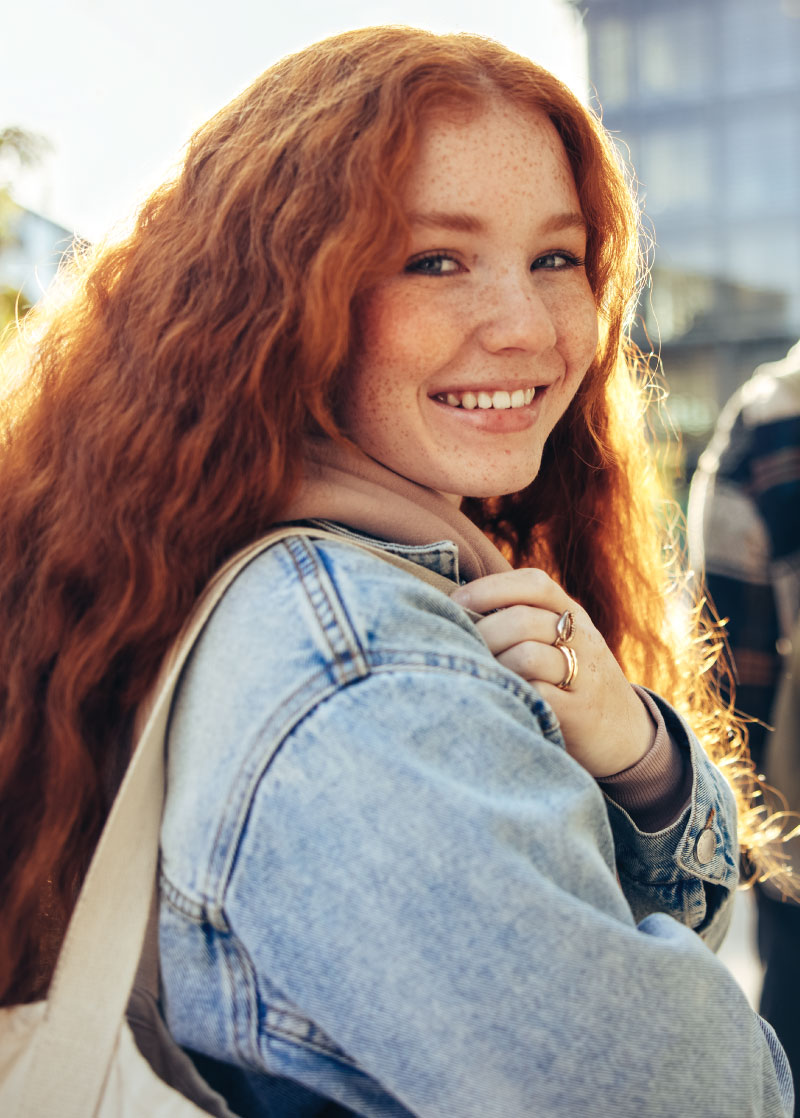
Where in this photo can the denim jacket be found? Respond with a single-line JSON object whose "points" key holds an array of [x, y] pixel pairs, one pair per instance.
{"points": [[387, 889]]}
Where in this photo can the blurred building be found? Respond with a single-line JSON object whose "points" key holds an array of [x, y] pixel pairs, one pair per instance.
{"points": [[704, 98], [31, 247]]}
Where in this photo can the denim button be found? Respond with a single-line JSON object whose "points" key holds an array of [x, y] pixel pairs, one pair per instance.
{"points": [[705, 847]]}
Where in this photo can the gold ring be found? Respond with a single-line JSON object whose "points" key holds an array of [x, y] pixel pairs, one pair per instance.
{"points": [[565, 629], [572, 666]]}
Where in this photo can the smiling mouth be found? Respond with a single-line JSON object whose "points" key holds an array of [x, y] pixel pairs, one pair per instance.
{"points": [[500, 401]]}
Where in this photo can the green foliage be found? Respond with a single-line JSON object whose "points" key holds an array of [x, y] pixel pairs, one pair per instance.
{"points": [[13, 305], [20, 148]]}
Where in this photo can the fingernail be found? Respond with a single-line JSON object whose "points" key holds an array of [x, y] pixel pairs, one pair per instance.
{"points": [[461, 596]]}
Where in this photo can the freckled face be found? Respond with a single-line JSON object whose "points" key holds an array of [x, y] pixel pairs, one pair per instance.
{"points": [[472, 352]]}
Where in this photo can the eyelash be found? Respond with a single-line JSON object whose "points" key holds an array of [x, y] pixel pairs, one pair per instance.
{"points": [[572, 261], [417, 265]]}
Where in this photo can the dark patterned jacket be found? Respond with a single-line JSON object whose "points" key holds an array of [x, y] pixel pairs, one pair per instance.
{"points": [[744, 529]]}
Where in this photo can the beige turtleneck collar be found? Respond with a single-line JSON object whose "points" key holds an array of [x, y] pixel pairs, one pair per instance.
{"points": [[350, 488]]}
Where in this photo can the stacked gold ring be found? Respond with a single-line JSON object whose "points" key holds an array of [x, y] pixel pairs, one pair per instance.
{"points": [[572, 667]]}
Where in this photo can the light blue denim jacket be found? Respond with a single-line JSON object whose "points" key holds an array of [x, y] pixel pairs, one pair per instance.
{"points": [[387, 889]]}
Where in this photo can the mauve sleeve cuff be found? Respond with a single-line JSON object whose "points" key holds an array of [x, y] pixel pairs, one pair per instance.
{"points": [[657, 788]]}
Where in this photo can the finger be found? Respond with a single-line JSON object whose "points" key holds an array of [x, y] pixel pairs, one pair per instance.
{"points": [[528, 586], [507, 627], [537, 663]]}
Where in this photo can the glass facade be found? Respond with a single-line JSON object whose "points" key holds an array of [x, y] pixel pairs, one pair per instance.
{"points": [[670, 60], [675, 169], [705, 96]]}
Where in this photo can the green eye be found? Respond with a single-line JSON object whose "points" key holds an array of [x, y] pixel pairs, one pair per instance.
{"points": [[556, 261], [434, 264]]}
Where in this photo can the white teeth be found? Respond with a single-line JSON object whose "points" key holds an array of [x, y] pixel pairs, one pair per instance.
{"points": [[500, 400]]}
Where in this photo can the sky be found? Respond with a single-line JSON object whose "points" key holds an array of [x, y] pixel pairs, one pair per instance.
{"points": [[117, 89]]}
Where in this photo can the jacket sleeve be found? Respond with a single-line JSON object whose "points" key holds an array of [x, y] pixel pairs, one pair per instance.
{"points": [[431, 879], [690, 868]]}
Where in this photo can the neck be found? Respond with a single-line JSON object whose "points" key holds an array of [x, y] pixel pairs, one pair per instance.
{"points": [[342, 484]]}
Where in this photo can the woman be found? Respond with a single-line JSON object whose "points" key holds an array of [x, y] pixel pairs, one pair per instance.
{"points": [[421, 854]]}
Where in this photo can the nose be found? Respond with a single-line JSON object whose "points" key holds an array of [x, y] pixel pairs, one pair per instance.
{"points": [[515, 317]]}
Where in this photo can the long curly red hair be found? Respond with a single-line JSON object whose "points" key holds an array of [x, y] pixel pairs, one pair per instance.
{"points": [[154, 422]]}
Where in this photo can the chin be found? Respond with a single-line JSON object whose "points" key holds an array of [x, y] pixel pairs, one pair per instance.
{"points": [[500, 486]]}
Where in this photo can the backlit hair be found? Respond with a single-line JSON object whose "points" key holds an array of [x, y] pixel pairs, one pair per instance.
{"points": [[153, 423]]}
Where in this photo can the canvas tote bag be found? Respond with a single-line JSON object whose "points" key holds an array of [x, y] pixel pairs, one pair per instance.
{"points": [[75, 1055]]}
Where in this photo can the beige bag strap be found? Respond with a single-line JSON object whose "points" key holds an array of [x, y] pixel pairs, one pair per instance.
{"points": [[98, 959]]}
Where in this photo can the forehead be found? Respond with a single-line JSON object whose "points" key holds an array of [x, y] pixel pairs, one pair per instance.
{"points": [[478, 158]]}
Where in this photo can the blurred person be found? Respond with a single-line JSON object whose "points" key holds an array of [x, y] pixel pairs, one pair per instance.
{"points": [[423, 853], [744, 532]]}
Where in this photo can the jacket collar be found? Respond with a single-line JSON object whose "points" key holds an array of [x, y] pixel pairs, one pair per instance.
{"points": [[441, 556]]}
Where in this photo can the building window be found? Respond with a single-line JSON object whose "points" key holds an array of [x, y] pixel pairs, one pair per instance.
{"points": [[760, 45], [693, 254], [680, 301], [673, 54], [761, 162], [674, 165], [611, 45], [765, 255]]}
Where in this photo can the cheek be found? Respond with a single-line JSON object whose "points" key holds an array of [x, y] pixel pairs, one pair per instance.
{"points": [[379, 380], [579, 332], [408, 332], [388, 322]]}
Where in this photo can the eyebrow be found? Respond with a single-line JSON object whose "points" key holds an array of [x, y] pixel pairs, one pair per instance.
{"points": [[458, 222], [559, 223], [467, 223]]}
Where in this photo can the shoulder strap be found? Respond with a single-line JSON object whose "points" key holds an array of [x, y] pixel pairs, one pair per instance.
{"points": [[98, 959]]}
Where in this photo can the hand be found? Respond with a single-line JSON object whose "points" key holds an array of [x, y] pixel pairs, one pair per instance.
{"points": [[604, 722]]}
